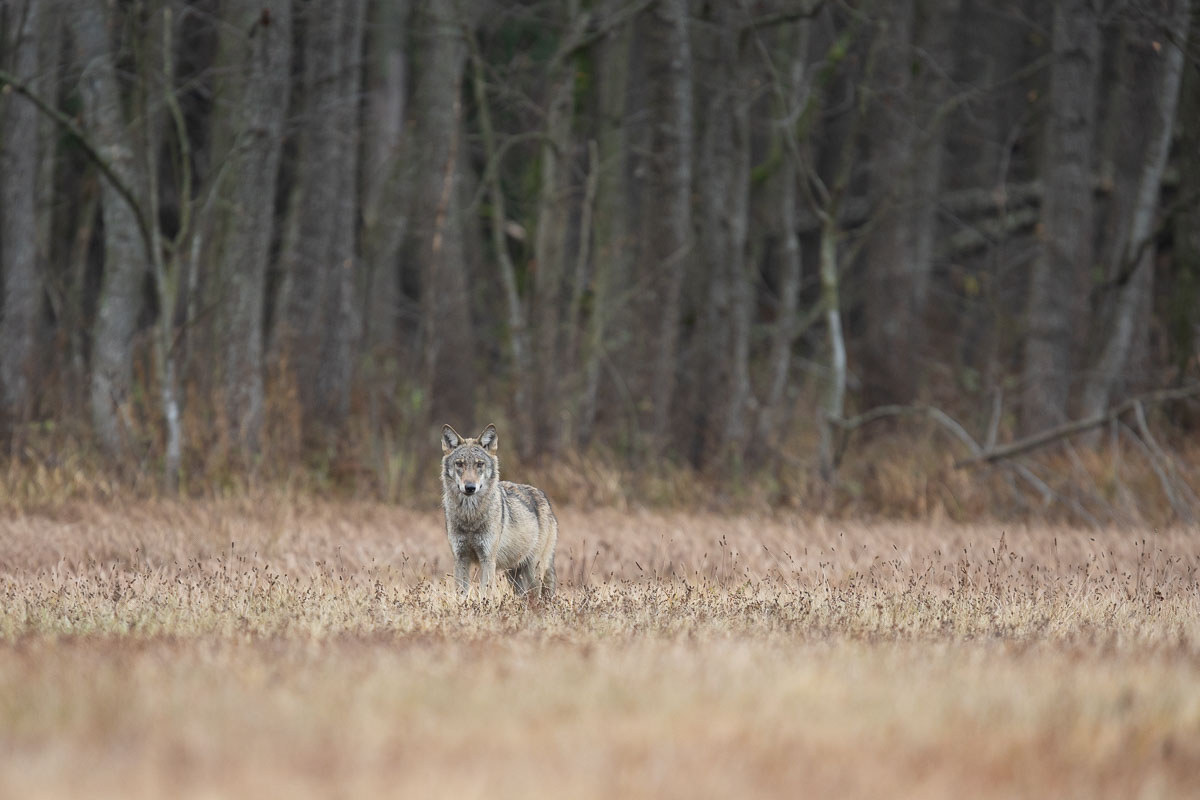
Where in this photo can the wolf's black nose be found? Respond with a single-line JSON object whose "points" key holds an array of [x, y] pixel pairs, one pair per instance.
{"points": [[469, 488]]}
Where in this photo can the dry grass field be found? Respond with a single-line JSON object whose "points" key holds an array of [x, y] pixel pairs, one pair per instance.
{"points": [[281, 646]]}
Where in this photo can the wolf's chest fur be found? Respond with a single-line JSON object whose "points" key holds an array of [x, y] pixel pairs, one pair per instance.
{"points": [[478, 524]]}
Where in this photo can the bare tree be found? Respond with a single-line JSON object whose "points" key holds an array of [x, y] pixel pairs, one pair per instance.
{"points": [[257, 45], [614, 251], [126, 232], [1065, 246], [553, 223], [448, 351], [792, 92], [19, 266], [668, 230], [719, 357], [650, 173], [320, 257], [1182, 314], [891, 334], [1150, 95], [386, 178]]}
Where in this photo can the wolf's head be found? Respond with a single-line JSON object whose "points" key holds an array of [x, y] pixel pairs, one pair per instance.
{"points": [[469, 466]]}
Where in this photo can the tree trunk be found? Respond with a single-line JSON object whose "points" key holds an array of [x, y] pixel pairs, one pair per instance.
{"points": [[518, 335], [834, 400], [257, 93], [448, 347], [1152, 92], [1065, 230], [321, 261], [550, 247], [386, 179], [19, 268], [125, 246], [791, 96], [717, 379], [668, 231], [1183, 306], [343, 327], [608, 323], [891, 336], [931, 89]]}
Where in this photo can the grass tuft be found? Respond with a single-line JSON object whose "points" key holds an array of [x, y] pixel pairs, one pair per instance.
{"points": [[273, 641]]}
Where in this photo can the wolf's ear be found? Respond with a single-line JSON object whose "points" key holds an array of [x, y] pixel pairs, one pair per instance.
{"points": [[450, 439], [488, 438]]}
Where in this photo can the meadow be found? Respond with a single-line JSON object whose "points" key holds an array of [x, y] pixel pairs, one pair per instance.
{"points": [[281, 645]]}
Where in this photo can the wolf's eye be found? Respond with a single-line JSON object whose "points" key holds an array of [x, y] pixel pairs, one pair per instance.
{"points": [[458, 463], [478, 465]]}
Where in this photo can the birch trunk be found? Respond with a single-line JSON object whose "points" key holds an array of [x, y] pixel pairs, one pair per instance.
{"points": [[1155, 89], [792, 96], [125, 248]]}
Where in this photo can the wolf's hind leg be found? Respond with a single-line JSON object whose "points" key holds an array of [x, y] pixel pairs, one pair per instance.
{"points": [[549, 581], [521, 578]]}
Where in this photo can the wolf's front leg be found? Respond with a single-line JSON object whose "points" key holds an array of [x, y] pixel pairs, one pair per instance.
{"points": [[487, 578], [462, 575]]}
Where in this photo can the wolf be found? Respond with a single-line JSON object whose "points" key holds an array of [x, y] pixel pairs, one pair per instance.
{"points": [[493, 523]]}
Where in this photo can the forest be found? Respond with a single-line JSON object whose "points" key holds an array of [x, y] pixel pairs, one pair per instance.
{"points": [[855, 343], [238, 237]]}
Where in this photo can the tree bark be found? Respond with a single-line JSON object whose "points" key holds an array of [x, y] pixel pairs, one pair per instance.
{"points": [[931, 90], [1182, 312], [608, 322], [259, 45], [668, 233], [518, 334], [448, 348], [19, 267], [321, 262], [791, 96], [385, 180], [550, 246], [891, 335], [1065, 230], [125, 250], [834, 401], [717, 383], [1152, 91]]}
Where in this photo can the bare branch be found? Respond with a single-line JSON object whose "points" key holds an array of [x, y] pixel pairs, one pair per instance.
{"points": [[807, 9], [582, 38], [1076, 426], [8, 81], [936, 414]]}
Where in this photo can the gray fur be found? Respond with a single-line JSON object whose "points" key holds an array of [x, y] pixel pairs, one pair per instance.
{"points": [[499, 525]]}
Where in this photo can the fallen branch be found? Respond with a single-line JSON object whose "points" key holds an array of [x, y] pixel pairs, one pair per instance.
{"points": [[881, 412], [956, 428], [1076, 426]]}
